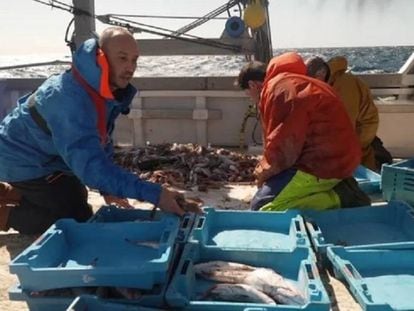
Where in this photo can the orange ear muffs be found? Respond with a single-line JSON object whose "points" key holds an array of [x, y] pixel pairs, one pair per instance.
{"points": [[104, 89]]}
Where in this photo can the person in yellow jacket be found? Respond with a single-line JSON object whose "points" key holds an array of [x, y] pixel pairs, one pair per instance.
{"points": [[358, 101], [359, 104]]}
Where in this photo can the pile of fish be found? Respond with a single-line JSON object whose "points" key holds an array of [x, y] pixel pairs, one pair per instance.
{"points": [[244, 283], [188, 165]]}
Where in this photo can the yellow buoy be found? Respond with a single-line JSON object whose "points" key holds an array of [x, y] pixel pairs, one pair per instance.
{"points": [[254, 15]]}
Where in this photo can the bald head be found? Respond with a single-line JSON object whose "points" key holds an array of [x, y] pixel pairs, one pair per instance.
{"points": [[113, 33], [317, 68], [121, 50]]}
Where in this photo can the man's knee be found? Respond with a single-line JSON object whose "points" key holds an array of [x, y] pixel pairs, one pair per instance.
{"points": [[260, 200]]}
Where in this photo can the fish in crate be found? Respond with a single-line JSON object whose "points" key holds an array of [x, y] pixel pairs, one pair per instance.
{"points": [[258, 280]]}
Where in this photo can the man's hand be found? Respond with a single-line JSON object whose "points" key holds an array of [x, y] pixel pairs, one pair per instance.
{"points": [[168, 201], [112, 200], [174, 202], [258, 173]]}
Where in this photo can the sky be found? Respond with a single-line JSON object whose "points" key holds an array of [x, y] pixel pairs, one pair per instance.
{"points": [[28, 27]]}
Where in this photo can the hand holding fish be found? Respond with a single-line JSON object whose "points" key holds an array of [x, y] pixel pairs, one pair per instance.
{"points": [[168, 202], [174, 202], [189, 204]]}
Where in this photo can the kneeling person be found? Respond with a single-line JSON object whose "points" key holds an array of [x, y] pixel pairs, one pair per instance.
{"points": [[309, 141]]}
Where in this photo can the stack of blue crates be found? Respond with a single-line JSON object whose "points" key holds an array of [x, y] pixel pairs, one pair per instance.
{"points": [[397, 181], [371, 248], [141, 250], [381, 278], [137, 254], [390, 222], [275, 240]]}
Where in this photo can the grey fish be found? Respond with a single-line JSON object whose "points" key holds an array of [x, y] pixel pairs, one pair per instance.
{"points": [[223, 271], [263, 279], [238, 293], [274, 285]]}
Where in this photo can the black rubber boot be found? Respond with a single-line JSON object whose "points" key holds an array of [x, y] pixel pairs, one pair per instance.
{"points": [[350, 194]]}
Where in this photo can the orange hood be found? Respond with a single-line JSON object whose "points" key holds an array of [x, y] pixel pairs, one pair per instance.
{"points": [[288, 62]]}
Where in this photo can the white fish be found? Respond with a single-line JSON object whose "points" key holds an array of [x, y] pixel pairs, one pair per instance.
{"points": [[274, 285], [263, 279], [238, 293], [222, 271]]}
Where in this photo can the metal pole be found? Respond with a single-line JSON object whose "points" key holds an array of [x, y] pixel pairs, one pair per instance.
{"points": [[264, 50], [84, 25]]}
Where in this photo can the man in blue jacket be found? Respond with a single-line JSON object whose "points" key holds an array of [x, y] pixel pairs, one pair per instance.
{"points": [[58, 139]]}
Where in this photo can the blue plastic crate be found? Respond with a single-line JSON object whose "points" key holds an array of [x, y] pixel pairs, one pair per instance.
{"points": [[281, 231], [39, 303], [368, 180], [92, 303], [381, 279], [84, 302], [59, 299], [297, 266], [398, 181], [110, 213], [370, 225], [71, 254]]}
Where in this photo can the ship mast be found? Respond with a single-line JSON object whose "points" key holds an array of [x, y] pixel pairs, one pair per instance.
{"points": [[253, 42]]}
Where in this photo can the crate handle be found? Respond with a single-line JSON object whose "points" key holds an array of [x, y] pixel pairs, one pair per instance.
{"points": [[350, 271], [185, 222], [309, 271], [165, 236], [185, 267], [43, 239], [298, 227], [32, 254], [200, 222], [314, 226]]}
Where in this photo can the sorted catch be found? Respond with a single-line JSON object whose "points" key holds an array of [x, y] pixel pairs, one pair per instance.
{"points": [[274, 285], [238, 293], [223, 271], [263, 279]]}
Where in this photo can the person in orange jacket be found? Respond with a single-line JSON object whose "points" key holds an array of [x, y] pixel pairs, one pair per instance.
{"points": [[309, 142], [359, 104]]}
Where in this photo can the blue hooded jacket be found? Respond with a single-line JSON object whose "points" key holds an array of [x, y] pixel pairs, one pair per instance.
{"points": [[74, 146]]}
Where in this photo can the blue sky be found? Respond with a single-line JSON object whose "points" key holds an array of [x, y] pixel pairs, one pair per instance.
{"points": [[28, 27]]}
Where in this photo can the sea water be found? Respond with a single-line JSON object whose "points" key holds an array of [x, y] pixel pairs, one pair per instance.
{"points": [[382, 59]]}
